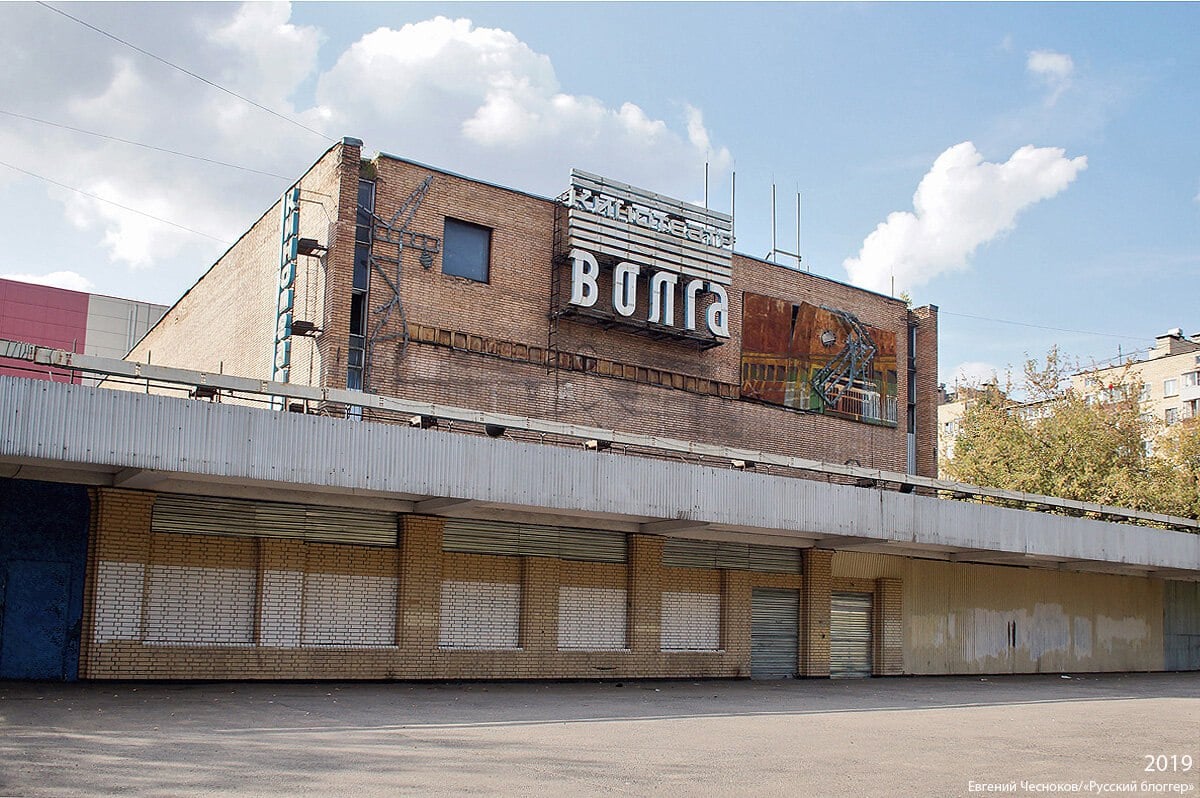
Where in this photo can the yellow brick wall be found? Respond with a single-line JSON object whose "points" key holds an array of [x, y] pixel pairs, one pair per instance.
{"points": [[282, 643], [889, 627], [814, 610], [226, 321]]}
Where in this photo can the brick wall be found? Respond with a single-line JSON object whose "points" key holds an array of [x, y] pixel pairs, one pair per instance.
{"points": [[814, 611], [226, 321], [488, 345], [169, 605], [926, 318], [889, 627], [491, 346]]}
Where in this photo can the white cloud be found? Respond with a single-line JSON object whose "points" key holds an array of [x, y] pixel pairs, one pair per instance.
{"points": [[960, 204], [972, 373], [113, 90], [1056, 70], [483, 102], [72, 281], [471, 99]]}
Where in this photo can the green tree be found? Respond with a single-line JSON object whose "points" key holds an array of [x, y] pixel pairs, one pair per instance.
{"points": [[1178, 460], [1059, 444]]}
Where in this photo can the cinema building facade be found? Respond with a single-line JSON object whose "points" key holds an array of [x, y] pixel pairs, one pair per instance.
{"points": [[443, 429]]}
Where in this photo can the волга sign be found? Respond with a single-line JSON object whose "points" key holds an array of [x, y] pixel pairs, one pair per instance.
{"points": [[679, 254]]}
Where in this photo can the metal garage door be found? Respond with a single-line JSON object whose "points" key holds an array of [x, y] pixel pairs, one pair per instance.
{"points": [[850, 635], [774, 618]]}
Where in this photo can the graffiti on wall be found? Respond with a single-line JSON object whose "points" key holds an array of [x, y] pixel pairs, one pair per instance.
{"points": [[819, 359]]}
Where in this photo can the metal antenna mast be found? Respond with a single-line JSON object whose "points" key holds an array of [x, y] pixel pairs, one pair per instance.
{"points": [[395, 234]]}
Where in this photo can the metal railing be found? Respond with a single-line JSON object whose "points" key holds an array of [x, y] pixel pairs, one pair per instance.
{"points": [[337, 402]]}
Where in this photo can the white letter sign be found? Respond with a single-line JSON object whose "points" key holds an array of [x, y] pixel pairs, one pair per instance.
{"points": [[584, 271]]}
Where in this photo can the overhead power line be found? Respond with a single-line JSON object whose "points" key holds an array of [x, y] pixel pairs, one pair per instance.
{"points": [[117, 204], [188, 72], [1044, 327], [140, 144]]}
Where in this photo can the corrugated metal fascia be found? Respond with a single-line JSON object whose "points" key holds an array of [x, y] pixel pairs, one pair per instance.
{"points": [[63, 423]]}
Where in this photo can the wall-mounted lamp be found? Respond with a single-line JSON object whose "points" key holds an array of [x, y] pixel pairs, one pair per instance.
{"points": [[310, 246], [206, 392]]}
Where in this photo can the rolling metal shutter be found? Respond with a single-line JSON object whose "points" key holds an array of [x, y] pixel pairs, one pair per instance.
{"points": [[850, 635], [774, 623], [530, 540], [1181, 626], [206, 515], [683, 553]]}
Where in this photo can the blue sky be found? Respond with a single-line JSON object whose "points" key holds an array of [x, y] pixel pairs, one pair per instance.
{"points": [[1053, 149]]}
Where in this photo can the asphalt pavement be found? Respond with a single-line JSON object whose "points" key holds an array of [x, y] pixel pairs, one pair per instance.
{"points": [[943, 736]]}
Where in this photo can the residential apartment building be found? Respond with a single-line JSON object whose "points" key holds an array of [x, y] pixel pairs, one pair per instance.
{"points": [[1169, 378]]}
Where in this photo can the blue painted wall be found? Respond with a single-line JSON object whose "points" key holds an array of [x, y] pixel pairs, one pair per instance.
{"points": [[43, 556]]}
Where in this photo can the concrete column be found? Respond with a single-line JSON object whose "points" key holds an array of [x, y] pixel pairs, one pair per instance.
{"points": [[814, 613]]}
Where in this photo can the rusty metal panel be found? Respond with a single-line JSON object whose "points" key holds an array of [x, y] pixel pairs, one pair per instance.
{"points": [[819, 359]]}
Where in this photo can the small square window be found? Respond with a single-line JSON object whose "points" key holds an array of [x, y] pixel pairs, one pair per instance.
{"points": [[1171, 415], [466, 250], [1171, 387]]}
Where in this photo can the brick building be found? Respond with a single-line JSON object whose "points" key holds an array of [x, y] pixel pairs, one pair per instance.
{"points": [[609, 312], [499, 333], [428, 285]]}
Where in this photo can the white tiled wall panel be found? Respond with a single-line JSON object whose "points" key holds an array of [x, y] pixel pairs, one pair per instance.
{"points": [[691, 622], [345, 609], [200, 605], [118, 614], [480, 615], [282, 600], [591, 618]]}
